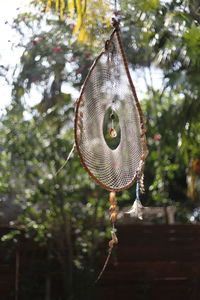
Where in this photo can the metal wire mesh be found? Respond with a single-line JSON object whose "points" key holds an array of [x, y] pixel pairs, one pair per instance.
{"points": [[107, 87]]}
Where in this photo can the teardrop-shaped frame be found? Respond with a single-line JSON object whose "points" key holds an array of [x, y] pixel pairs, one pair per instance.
{"points": [[138, 107]]}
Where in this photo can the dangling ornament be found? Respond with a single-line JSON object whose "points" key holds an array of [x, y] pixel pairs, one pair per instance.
{"points": [[108, 95], [137, 207]]}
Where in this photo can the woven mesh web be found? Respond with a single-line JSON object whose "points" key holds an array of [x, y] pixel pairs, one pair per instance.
{"points": [[107, 87]]}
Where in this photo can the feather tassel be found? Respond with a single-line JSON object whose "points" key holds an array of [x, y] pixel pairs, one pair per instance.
{"points": [[136, 210]]}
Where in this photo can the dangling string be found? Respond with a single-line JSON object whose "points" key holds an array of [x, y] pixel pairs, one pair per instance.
{"points": [[114, 212], [137, 190], [66, 161], [116, 11], [115, 5], [68, 157]]}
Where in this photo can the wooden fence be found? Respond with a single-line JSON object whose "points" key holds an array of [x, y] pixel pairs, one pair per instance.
{"points": [[154, 262], [151, 262]]}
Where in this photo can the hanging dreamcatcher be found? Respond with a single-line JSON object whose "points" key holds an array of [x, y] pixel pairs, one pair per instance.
{"points": [[109, 128]]}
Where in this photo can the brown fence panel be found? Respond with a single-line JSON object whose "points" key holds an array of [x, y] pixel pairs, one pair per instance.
{"points": [[154, 262]]}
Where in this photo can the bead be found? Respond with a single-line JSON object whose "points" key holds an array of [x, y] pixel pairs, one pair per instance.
{"points": [[113, 133], [113, 217], [112, 207], [112, 197]]}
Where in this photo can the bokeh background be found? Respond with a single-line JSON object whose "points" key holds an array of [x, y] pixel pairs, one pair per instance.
{"points": [[53, 228]]}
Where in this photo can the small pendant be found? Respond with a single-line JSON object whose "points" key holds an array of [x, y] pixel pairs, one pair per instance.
{"points": [[112, 133]]}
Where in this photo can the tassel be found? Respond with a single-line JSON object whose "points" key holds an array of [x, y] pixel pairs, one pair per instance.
{"points": [[137, 207], [114, 240], [136, 210]]}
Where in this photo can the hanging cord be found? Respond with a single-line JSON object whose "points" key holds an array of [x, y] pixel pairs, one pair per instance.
{"points": [[114, 212], [137, 192], [115, 5], [69, 155], [116, 10], [66, 161]]}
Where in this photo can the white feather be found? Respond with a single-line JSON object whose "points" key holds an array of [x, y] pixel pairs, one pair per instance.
{"points": [[136, 210]]}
